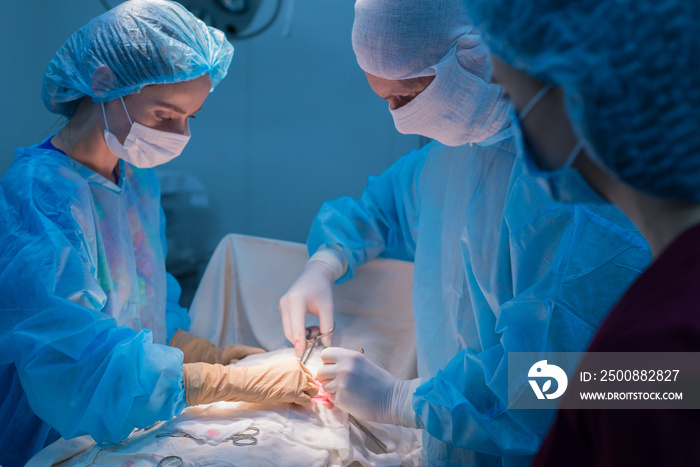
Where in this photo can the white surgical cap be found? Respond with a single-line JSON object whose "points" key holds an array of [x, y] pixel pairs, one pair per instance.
{"points": [[401, 39], [135, 44]]}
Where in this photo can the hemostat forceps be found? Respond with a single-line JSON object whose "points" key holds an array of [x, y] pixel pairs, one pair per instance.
{"points": [[246, 437], [313, 334]]}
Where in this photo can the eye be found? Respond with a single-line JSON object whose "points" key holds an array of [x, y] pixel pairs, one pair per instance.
{"points": [[162, 118], [192, 116], [402, 99]]}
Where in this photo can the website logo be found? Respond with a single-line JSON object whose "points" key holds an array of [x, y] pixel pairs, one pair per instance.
{"points": [[542, 370]]}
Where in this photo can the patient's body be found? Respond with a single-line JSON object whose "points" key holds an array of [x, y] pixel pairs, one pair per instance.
{"points": [[317, 435]]}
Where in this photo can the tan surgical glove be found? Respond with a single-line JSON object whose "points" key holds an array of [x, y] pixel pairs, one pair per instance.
{"points": [[284, 381], [198, 349]]}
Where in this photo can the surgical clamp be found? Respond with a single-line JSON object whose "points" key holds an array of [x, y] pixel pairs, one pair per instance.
{"points": [[246, 437], [313, 334]]}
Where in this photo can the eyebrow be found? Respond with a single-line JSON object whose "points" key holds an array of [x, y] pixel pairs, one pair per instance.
{"points": [[175, 108]]}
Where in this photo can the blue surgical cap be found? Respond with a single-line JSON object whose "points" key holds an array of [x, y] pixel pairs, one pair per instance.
{"points": [[137, 43], [630, 70]]}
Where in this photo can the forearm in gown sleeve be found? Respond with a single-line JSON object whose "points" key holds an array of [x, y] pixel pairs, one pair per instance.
{"points": [[465, 404], [81, 372], [176, 316], [458, 407], [383, 221]]}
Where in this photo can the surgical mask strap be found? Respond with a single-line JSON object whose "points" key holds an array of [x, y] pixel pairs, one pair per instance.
{"points": [[535, 99], [572, 155], [104, 115], [126, 111]]}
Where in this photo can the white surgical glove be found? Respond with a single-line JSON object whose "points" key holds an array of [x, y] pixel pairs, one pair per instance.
{"points": [[312, 293], [363, 389]]}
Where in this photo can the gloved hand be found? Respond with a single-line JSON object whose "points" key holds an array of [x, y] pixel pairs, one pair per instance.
{"points": [[285, 381], [198, 349], [366, 391], [311, 293]]}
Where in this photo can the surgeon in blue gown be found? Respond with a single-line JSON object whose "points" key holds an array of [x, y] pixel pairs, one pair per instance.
{"points": [[504, 260], [86, 306]]}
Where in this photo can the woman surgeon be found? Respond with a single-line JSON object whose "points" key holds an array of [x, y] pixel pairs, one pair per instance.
{"points": [[86, 306]]}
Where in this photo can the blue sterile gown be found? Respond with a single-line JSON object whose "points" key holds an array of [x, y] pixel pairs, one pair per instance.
{"points": [[499, 267], [86, 306]]}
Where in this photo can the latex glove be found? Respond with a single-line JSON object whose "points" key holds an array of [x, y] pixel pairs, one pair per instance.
{"points": [[278, 382], [363, 389], [310, 293], [198, 349]]}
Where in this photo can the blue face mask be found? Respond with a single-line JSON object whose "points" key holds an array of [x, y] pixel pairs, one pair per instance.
{"points": [[564, 184]]}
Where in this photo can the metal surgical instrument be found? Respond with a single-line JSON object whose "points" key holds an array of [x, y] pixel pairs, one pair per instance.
{"points": [[369, 434], [364, 429], [246, 437], [175, 434], [170, 461], [313, 334]]}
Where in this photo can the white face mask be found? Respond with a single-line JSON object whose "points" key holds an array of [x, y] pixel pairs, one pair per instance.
{"points": [[456, 108], [145, 147]]}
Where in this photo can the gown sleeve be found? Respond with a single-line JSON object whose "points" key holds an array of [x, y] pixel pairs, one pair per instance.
{"points": [[568, 265], [81, 372], [176, 316], [383, 221]]}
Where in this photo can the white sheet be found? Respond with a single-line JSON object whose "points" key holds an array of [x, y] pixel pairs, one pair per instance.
{"points": [[317, 435], [237, 301]]}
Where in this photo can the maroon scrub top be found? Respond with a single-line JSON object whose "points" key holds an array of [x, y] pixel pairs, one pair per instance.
{"points": [[659, 313]]}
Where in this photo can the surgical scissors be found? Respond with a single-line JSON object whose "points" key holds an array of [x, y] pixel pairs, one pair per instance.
{"points": [[246, 437], [313, 333]]}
